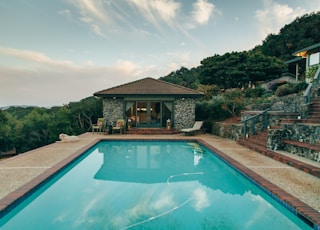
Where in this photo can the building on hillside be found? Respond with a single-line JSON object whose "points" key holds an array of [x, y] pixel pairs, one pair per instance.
{"points": [[308, 57], [150, 103]]}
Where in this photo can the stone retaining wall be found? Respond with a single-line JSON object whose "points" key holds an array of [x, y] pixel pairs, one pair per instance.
{"points": [[289, 107], [308, 133], [298, 132], [293, 103]]}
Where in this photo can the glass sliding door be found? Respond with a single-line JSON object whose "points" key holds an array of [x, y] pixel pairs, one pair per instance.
{"points": [[167, 108], [155, 110], [142, 115], [131, 110], [148, 114]]}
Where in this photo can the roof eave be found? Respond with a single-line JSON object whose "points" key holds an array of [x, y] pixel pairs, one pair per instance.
{"points": [[148, 95], [303, 52]]}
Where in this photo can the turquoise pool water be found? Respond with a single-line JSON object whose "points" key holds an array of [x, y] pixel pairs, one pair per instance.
{"points": [[150, 185]]}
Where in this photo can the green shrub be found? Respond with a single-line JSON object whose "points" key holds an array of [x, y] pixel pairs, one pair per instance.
{"points": [[254, 92], [211, 110], [311, 72], [232, 94], [273, 85], [301, 86], [284, 90]]}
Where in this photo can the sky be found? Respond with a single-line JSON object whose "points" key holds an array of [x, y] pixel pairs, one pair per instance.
{"points": [[53, 52]]}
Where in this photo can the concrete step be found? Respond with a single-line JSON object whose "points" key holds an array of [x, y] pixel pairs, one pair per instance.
{"points": [[315, 171]]}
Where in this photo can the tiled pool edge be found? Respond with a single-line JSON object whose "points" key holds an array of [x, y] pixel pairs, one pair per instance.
{"points": [[293, 204], [13, 199]]}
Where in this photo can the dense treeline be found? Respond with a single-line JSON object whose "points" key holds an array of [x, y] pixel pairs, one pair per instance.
{"points": [[31, 127], [264, 62], [234, 72], [302, 32], [25, 128]]}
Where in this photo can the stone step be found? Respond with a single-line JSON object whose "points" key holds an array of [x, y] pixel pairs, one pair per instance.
{"points": [[254, 146], [313, 121], [301, 121], [259, 139], [315, 171]]}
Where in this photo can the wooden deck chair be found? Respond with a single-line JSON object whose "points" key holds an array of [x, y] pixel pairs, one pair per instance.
{"points": [[99, 127], [120, 126], [195, 129]]}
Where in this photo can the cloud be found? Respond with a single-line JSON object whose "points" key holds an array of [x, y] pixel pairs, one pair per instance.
{"points": [[202, 11], [44, 81], [275, 15], [94, 8], [157, 11], [106, 16], [65, 12], [92, 13], [34, 57], [200, 199]]}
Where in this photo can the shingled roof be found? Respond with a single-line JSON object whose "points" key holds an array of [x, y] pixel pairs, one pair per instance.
{"points": [[148, 86], [310, 49]]}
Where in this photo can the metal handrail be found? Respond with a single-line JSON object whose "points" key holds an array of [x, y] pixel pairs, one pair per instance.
{"points": [[308, 92], [265, 122]]}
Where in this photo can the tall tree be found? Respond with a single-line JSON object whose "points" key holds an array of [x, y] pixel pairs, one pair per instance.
{"points": [[237, 69], [302, 32], [185, 77]]}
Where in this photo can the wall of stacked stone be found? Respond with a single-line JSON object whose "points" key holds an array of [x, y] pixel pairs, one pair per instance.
{"points": [[297, 132], [302, 132], [289, 107], [293, 103], [230, 131], [113, 109], [275, 139], [184, 113], [235, 131]]}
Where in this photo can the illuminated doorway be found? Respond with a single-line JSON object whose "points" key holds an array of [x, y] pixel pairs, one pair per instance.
{"points": [[148, 114]]}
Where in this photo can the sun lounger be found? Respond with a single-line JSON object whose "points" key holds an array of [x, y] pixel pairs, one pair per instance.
{"points": [[196, 128]]}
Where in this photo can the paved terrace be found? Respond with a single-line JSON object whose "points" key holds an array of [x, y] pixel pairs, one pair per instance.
{"points": [[21, 173]]}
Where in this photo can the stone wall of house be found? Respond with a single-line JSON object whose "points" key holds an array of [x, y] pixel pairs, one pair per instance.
{"points": [[113, 109], [184, 113]]}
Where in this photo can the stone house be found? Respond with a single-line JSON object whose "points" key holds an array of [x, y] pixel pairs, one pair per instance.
{"points": [[150, 103], [308, 57]]}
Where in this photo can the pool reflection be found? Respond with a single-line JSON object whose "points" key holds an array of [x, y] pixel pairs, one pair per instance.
{"points": [[150, 163]]}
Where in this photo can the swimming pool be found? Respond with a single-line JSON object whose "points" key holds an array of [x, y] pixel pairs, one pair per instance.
{"points": [[150, 185]]}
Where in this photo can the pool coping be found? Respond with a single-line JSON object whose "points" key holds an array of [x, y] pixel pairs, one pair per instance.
{"points": [[299, 208]]}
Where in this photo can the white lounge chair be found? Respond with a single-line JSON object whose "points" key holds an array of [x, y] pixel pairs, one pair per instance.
{"points": [[196, 128]]}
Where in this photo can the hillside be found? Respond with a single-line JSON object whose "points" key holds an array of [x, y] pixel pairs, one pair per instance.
{"points": [[264, 62]]}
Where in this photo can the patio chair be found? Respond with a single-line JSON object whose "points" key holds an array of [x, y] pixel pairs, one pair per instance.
{"points": [[99, 127], [195, 129], [120, 126]]}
